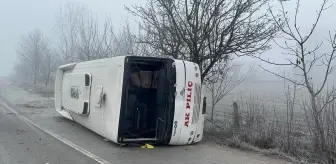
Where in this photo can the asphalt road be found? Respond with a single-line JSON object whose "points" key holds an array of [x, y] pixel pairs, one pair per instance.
{"points": [[21, 143], [40, 112]]}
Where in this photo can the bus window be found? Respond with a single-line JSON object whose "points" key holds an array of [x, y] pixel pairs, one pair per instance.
{"points": [[204, 106]]}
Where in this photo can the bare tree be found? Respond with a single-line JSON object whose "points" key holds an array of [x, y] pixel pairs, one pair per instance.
{"points": [[49, 66], [124, 41], [23, 70], [291, 103], [67, 26], [205, 31], [83, 38], [304, 59], [32, 49], [223, 78], [79, 34]]}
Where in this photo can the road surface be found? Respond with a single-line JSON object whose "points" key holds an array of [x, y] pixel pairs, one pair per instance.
{"points": [[41, 112], [21, 143]]}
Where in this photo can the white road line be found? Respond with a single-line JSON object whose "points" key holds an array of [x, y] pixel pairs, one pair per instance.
{"points": [[76, 147]]}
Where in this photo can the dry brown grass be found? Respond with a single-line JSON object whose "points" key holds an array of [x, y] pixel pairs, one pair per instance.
{"points": [[285, 133]]}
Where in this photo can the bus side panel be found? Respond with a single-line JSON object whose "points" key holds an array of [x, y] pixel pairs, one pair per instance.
{"points": [[103, 117], [200, 125], [58, 90], [93, 121], [98, 120], [189, 127], [112, 103], [187, 103], [179, 102]]}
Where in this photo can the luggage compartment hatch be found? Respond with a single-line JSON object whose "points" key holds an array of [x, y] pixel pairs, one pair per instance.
{"points": [[76, 90]]}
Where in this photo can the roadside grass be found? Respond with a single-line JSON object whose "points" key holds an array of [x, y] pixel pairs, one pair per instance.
{"points": [[273, 129]]}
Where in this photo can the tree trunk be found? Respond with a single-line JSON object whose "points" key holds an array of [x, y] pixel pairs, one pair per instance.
{"points": [[236, 120], [212, 118], [35, 76], [319, 134], [47, 81], [48, 77]]}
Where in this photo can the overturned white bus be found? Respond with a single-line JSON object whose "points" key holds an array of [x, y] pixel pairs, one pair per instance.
{"points": [[129, 99]]}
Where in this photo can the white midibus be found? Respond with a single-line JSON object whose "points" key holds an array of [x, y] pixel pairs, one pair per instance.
{"points": [[132, 99]]}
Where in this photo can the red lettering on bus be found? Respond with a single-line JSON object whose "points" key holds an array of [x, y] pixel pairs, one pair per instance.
{"points": [[188, 100], [186, 119], [190, 84]]}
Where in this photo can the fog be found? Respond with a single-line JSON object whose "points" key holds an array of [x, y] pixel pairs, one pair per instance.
{"points": [[19, 17], [258, 109]]}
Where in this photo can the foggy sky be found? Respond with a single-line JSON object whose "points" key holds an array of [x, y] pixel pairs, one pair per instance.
{"points": [[18, 17]]}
